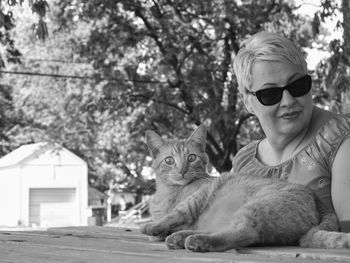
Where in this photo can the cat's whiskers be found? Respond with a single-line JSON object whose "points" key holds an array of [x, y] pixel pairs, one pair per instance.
{"points": [[179, 179]]}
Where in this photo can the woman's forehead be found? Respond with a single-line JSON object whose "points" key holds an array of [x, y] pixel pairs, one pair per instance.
{"points": [[274, 73]]}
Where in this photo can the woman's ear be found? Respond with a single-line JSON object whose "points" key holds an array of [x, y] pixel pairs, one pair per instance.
{"points": [[247, 103]]}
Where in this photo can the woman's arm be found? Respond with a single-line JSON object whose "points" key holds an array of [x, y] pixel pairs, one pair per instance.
{"points": [[341, 185]]}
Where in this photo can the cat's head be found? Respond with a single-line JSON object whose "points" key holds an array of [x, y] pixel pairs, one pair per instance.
{"points": [[179, 162]]}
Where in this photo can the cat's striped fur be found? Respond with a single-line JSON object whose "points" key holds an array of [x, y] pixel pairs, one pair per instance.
{"points": [[202, 213]]}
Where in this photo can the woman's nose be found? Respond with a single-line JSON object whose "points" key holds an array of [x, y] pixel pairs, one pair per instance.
{"points": [[287, 99]]}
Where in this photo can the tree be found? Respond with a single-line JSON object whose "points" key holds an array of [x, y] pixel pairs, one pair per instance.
{"points": [[9, 53], [333, 72], [7, 22], [177, 56], [163, 65], [68, 111]]}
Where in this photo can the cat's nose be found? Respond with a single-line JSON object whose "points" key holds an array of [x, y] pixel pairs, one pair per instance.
{"points": [[181, 165], [182, 169]]}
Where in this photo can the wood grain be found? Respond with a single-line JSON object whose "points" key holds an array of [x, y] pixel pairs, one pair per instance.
{"points": [[109, 244]]}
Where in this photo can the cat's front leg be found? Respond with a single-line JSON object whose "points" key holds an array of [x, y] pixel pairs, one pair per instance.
{"points": [[164, 226], [154, 229]]}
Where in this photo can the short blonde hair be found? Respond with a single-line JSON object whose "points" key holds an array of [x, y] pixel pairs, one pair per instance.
{"points": [[264, 46]]}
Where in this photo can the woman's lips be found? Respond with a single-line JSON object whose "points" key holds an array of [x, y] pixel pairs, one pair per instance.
{"points": [[290, 115]]}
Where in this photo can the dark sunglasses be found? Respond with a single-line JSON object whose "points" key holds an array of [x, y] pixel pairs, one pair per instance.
{"points": [[271, 96]]}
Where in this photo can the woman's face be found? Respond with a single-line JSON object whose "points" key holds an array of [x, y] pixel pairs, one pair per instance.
{"points": [[291, 115]]}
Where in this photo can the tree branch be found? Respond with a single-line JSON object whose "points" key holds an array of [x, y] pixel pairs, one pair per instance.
{"points": [[151, 30], [149, 98]]}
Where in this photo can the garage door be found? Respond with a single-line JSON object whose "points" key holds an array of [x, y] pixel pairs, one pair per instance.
{"points": [[52, 207]]}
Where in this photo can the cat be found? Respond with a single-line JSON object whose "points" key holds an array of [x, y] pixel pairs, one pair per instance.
{"points": [[178, 176], [203, 213]]}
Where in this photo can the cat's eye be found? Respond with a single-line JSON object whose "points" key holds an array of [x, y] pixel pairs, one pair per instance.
{"points": [[169, 160], [191, 158]]}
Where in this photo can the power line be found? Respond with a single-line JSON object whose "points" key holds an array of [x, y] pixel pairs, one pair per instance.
{"points": [[78, 77], [62, 61], [53, 61]]}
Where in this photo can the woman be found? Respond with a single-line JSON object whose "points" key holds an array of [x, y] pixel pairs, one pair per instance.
{"points": [[304, 144]]}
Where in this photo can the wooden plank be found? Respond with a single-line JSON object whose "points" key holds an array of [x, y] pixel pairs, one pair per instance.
{"points": [[88, 246], [28, 253], [288, 252], [32, 253], [328, 255], [101, 244]]}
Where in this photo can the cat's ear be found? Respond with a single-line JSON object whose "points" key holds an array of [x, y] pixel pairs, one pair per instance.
{"points": [[154, 142], [199, 136]]}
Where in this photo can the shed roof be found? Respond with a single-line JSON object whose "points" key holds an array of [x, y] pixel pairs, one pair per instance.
{"points": [[26, 152], [94, 193]]}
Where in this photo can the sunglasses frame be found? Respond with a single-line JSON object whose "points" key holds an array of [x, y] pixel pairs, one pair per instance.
{"points": [[280, 90]]}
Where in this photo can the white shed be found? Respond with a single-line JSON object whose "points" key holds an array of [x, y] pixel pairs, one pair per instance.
{"points": [[42, 185]]}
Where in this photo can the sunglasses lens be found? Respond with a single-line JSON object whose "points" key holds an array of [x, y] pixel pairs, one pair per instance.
{"points": [[300, 87], [270, 96]]}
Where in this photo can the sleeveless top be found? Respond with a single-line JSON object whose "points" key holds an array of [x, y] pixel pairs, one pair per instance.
{"points": [[311, 166]]}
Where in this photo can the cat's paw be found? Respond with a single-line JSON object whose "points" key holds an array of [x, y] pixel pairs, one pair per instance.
{"points": [[175, 241], [152, 229], [198, 243], [147, 229]]}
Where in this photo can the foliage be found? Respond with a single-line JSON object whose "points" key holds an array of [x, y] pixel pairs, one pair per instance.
{"points": [[7, 22], [178, 56], [71, 112], [333, 72]]}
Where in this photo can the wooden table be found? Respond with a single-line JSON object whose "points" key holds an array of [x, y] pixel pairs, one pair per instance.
{"points": [[109, 244]]}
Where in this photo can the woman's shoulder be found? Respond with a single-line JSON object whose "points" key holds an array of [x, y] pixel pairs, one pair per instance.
{"points": [[245, 155], [334, 130], [334, 126]]}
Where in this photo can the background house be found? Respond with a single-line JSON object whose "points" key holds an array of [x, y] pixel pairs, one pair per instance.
{"points": [[98, 206], [42, 185]]}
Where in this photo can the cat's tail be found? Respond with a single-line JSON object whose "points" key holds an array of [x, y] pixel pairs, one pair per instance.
{"points": [[324, 235]]}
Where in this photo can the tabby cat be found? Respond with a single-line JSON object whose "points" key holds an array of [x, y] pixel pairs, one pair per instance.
{"points": [[203, 213]]}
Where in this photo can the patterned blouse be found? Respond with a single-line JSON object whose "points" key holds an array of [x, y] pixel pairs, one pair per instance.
{"points": [[311, 166]]}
